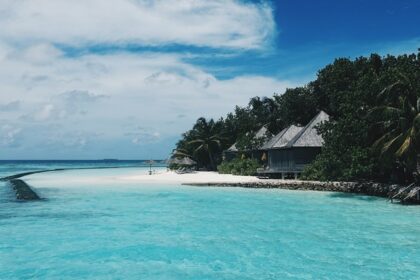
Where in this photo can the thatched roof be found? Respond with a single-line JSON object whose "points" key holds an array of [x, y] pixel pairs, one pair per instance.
{"points": [[232, 148], [172, 161], [262, 132], [187, 161], [182, 161], [309, 136], [282, 138]]}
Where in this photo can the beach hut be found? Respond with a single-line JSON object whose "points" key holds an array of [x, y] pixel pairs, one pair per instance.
{"points": [[293, 148], [172, 160], [257, 153], [181, 165], [231, 153], [186, 161]]}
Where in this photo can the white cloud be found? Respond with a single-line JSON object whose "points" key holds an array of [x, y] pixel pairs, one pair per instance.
{"points": [[105, 94], [76, 101], [68, 102], [216, 23], [10, 106], [143, 135], [44, 113], [69, 140], [9, 134]]}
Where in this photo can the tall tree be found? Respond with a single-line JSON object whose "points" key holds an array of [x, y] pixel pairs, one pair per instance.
{"points": [[399, 123], [206, 139]]}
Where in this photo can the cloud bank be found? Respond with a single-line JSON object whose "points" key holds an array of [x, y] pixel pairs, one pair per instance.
{"points": [[215, 23], [125, 104]]}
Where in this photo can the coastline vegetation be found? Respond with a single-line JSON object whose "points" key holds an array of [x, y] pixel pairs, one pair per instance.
{"points": [[373, 133], [239, 166]]}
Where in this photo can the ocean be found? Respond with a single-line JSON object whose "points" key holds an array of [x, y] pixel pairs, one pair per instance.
{"points": [[136, 231]]}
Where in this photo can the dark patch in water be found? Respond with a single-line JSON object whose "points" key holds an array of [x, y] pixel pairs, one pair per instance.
{"points": [[50, 215], [355, 196]]}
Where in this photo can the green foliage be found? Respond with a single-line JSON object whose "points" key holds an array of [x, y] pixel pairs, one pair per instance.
{"points": [[203, 143], [399, 124], [238, 166], [249, 141], [359, 144], [174, 166], [298, 106], [351, 92], [356, 164]]}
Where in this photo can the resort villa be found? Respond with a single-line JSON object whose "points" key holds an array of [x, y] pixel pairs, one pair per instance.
{"points": [[293, 148], [287, 153]]}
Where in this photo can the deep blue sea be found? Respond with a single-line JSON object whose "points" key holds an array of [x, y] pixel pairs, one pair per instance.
{"points": [[95, 229]]}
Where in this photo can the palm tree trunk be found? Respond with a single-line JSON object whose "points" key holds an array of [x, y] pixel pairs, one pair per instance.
{"points": [[211, 160]]}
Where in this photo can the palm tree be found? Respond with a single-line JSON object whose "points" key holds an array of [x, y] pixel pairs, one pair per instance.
{"points": [[399, 123], [179, 152], [206, 139]]}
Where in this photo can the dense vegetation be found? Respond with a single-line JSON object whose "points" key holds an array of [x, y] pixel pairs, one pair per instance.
{"points": [[374, 129], [239, 166]]}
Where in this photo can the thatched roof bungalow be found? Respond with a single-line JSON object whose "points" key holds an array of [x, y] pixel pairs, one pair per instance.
{"points": [[293, 148], [282, 138], [233, 151]]}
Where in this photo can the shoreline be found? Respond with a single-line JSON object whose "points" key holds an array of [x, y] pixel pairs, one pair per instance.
{"points": [[372, 189], [212, 179]]}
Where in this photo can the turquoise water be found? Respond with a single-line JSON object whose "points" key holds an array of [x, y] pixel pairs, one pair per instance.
{"points": [[10, 167], [171, 232]]}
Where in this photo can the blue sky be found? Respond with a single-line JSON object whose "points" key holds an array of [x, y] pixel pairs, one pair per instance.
{"points": [[311, 34], [91, 79]]}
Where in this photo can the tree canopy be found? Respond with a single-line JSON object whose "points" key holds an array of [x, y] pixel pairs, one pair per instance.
{"points": [[353, 93]]}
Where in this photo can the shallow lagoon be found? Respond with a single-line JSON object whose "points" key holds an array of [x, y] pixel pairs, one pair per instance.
{"points": [[173, 232]]}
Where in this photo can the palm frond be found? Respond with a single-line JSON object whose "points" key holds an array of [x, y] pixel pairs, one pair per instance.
{"points": [[217, 136], [182, 153], [384, 125], [385, 111], [383, 93], [386, 91], [406, 145], [196, 141], [380, 142], [392, 145], [218, 142], [201, 147]]}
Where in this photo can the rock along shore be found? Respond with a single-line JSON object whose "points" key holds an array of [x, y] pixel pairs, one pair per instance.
{"points": [[23, 191], [364, 188]]}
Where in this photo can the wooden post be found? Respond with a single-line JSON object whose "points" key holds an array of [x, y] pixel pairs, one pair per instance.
{"points": [[150, 167]]}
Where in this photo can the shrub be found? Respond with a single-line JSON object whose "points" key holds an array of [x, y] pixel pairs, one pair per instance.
{"points": [[238, 166], [353, 165]]}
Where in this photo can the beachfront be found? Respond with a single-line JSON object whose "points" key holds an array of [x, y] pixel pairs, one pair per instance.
{"points": [[134, 177]]}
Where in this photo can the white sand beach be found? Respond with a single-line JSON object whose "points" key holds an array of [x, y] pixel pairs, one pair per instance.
{"points": [[171, 177], [129, 177]]}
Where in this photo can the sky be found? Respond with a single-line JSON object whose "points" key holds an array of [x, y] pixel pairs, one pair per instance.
{"points": [[93, 79]]}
